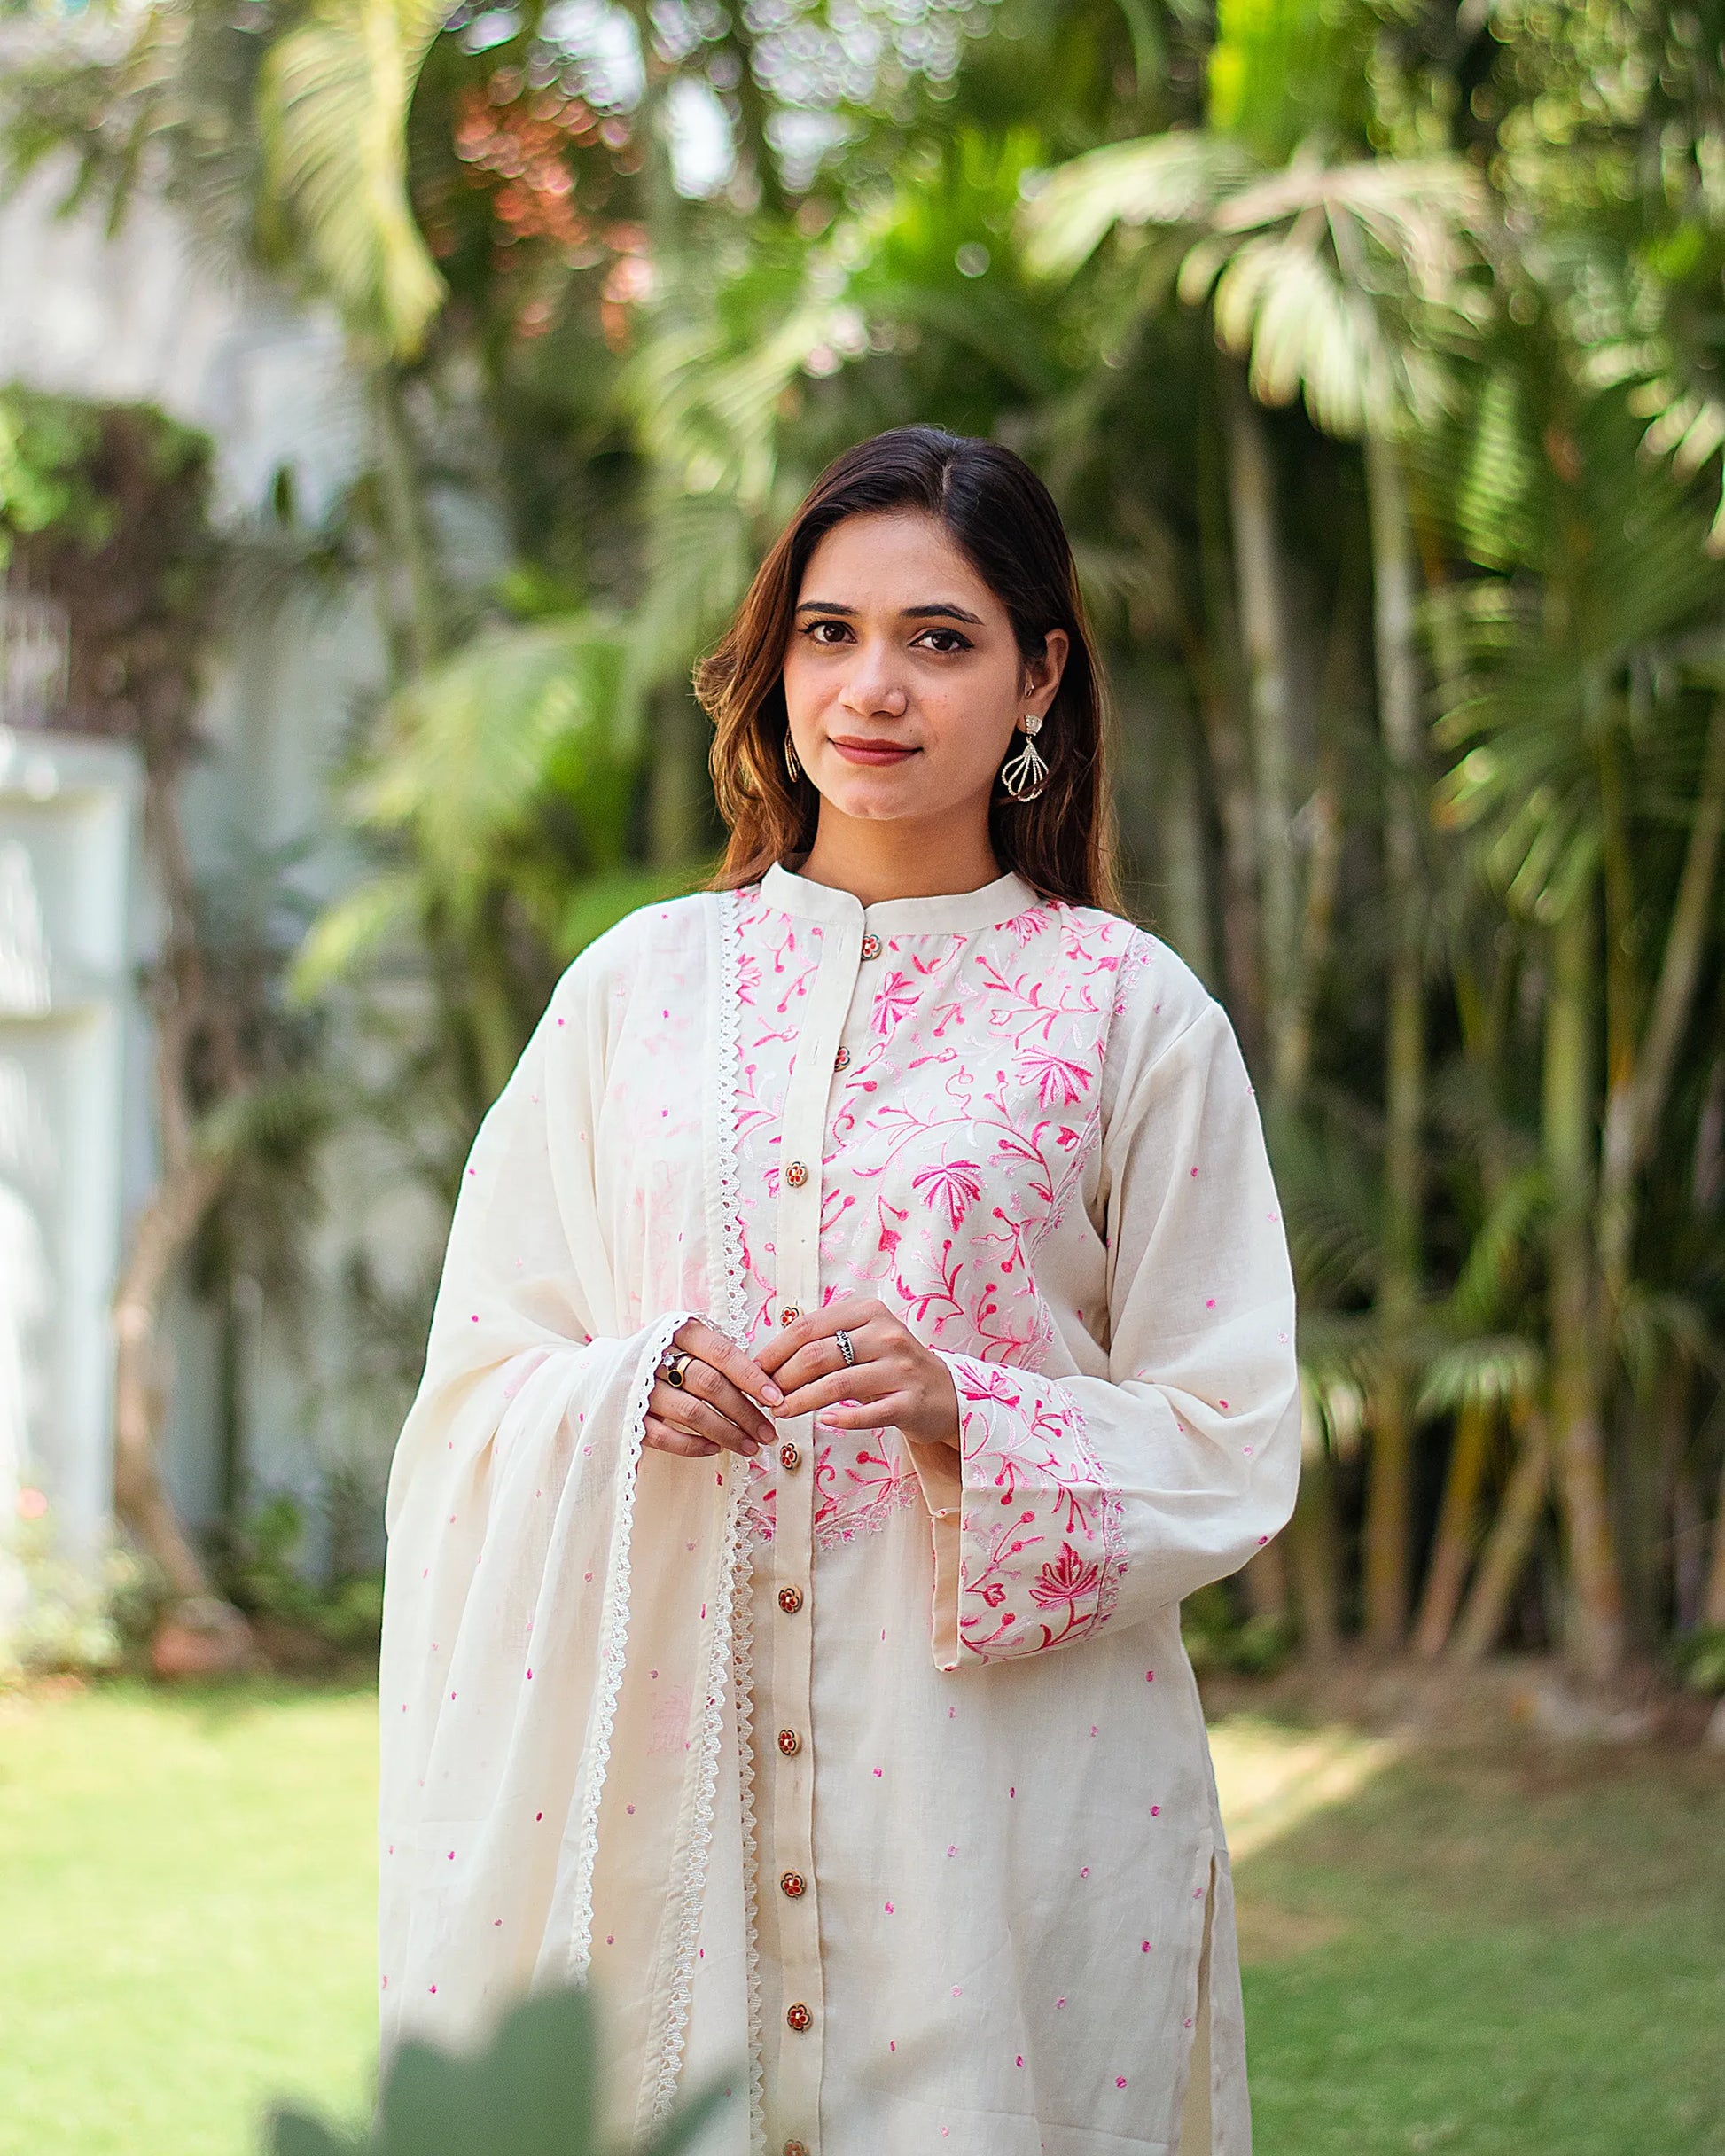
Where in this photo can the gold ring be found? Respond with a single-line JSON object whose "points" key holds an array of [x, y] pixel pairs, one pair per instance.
{"points": [[676, 1361]]}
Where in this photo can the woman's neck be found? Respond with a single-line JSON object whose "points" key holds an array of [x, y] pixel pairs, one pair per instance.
{"points": [[905, 858]]}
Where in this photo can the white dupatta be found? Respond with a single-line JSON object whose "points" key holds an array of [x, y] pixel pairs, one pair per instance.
{"points": [[528, 1629]]}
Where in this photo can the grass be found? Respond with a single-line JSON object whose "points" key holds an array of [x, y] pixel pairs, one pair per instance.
{"points": [[187, 1890], [1513, 1950]]}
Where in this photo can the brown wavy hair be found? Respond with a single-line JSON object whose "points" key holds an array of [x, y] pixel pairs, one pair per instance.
{"points": [[1002, 517]]}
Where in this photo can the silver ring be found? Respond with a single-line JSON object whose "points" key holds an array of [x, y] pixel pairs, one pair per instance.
{"points": [[845, 1348]]}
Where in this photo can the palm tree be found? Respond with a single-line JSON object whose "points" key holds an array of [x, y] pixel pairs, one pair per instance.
{"points": [[1339, 282]]}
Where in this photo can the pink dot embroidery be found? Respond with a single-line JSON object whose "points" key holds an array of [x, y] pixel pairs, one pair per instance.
{"points": [[1093, 1729], [889, 1908], [1247, 1449], [952, 1848], [1150, 1676], [1143, 1946], [1262, 1539], [629, 1808], [957, 1991], [1198, 1895], [1119, 2078], [497, 1924], [1156, 1811], [1012, 1793], [452, 1856], [1194, 1171], [1084, 1871], [1020, 2059], [610, 1939], [529, 1677], [476, 1317], [1223, 1405], [1059, 2001], [539, 1815], [434, 1991], [877, 1774], [1211, 1304]]}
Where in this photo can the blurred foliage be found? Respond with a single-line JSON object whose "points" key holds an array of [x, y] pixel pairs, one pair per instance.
{"points": [[531, 2090], [261, 1566], [1373, 351]]}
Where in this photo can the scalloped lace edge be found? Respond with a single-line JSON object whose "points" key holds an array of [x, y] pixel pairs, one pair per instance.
{"points": [[730, 1650], [614, 1639]]}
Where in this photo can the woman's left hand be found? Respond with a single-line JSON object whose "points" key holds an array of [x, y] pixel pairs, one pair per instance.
{"points": [[895, 1379]]}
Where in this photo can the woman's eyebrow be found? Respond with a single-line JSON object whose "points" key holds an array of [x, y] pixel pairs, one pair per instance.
{"points": [[937, 610]]}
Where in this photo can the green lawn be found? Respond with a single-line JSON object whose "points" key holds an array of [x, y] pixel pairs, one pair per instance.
{"points": [[1522, 1952]]}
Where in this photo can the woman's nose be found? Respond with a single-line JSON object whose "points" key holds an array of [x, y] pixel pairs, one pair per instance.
{"points": [[871, 686]]}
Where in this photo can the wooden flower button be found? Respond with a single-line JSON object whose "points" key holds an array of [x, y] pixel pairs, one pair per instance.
{"points": [[790, 1600], [788, 1315], [841, 1061], [793, 1886], [871, 947], [790, 1457], [789, 1743], [799, 2016], [796, 1174], [796, 2148]]}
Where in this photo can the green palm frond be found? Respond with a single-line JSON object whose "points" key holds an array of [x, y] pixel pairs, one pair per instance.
{"points": [[350, 931], [1493, 1369], [471, 747], [332, 109], [1176, 180]]}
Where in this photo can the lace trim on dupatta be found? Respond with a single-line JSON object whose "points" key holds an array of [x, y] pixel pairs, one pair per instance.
{"points": [[614, 1637], [731, 1639]]}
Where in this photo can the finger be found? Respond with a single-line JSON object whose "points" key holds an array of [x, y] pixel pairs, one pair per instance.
{"points": [[712, 1386], [851, 1311], [663, 1438], [867, 1381], [684, 1411], [723, 1354], [818, 1359], [880, 1414]]}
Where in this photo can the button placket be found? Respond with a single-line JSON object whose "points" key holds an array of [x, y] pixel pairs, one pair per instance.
{"points": [[791, 1917]]}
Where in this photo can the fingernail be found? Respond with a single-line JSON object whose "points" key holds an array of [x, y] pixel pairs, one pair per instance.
{"points": [[774, 1398]]}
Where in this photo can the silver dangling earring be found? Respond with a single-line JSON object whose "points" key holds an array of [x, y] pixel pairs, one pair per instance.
{"points": [[1025, 775], [791, 764]]}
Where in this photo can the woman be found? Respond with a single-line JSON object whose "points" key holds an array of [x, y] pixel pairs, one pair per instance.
{"points": [[866, 1317]]}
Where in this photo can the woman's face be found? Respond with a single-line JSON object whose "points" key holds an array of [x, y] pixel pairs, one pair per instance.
{"points": [[903, 680]]}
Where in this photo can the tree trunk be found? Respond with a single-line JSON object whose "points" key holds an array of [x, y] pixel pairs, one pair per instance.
{"points": [[1454, 1543], [677, 781], [1225, 742], [1713, 1601], [186, 1022], [408, 581], [1261, 584], [1595, 1639], [163, 1230], [1638, 1096], [1311, 1538], [1507, 1546], [1393, 591]]}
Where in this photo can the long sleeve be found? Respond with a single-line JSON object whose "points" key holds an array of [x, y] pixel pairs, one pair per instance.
{"points": [[1081, 1501]]}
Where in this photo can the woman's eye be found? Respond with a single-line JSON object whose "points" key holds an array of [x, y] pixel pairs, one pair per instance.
{"points": [[944, 640], [816, 632]]}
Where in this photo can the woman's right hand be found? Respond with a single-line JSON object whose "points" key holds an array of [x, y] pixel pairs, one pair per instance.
{"points": [[721, 1404]]}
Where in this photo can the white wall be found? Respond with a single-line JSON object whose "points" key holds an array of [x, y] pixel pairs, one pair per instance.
{"points": [[141, 317]]}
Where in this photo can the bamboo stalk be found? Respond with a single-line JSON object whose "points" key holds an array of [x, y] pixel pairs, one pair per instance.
{"points": [[1596, 1629], [1389, 1496], [1509, 1544], [1454, 1543], [1260, 581], [1713, 1600]]}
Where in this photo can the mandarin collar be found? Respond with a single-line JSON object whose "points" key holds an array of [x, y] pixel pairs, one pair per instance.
{"points": [[954, 912]]}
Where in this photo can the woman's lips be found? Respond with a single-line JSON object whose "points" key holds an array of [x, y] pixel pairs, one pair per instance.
{"points": [[870, 751]]}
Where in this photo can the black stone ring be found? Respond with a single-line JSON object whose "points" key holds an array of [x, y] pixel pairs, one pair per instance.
{"points": [[676, 1361]]}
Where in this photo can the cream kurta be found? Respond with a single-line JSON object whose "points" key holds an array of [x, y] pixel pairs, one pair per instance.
{"points": [[883, 1764]]}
